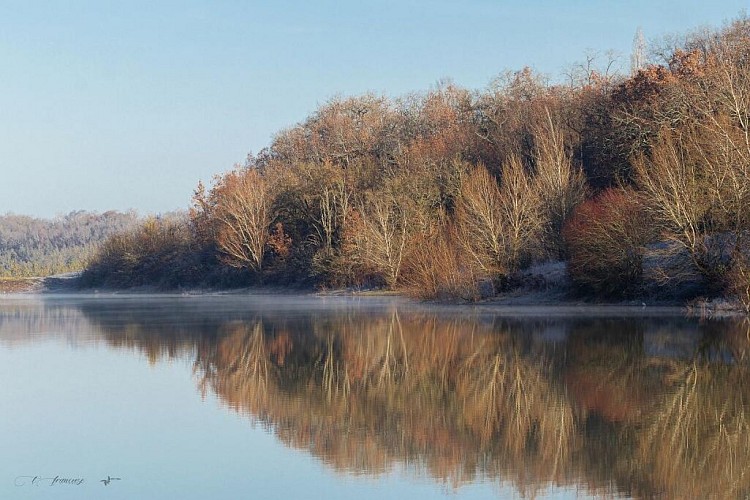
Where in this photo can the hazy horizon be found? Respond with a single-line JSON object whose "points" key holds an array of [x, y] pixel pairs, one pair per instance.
{"points": [[126, 107]]}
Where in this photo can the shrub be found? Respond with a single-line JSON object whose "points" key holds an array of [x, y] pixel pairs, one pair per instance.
{"points": [[438, 269], [160, 252], [605, 240]]}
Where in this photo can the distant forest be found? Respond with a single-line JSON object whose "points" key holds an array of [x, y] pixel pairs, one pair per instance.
{"points": [[640, 182], [42, 247]]}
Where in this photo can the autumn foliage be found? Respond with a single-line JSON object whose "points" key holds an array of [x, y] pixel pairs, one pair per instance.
{"points": [[606, 238], [477, 186], [158, 252]]}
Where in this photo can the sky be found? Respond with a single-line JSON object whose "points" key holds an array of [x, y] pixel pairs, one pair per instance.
{"points": [[127, 105]]}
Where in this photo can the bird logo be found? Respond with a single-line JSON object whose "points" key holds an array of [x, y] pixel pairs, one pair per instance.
{"points": [[109, 480]]}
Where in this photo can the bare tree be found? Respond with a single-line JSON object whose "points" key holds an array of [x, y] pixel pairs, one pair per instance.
{"points": [[560, 185], [638, 56], [480, 218], [698, 187], [243, 212], [382, 236], [498, 223], [520, 211]]}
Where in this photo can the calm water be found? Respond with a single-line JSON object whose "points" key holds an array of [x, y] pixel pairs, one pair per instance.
{"points": [[307, 397]]}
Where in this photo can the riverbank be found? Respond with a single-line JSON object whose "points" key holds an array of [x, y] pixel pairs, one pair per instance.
{"points": [[67, 283], [22, 285], [543, 288]]}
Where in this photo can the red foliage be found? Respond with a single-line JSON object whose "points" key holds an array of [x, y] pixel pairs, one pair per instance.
{"points": [[605, 239]]}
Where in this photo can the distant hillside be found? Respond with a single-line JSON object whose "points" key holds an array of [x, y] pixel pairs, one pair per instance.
{"points": [[41, 247]]}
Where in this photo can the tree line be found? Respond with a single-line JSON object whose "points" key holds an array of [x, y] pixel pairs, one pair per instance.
{"points": [[31, 246], [641, 183]]}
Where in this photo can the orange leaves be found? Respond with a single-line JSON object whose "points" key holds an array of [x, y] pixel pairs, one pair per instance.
{"points": [[644, 86], [685, 64], [279, 241]]}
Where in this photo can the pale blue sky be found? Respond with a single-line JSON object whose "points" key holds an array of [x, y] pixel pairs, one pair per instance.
{"points": [[118, 105]]}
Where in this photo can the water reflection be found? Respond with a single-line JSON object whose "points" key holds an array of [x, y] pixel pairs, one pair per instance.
{"points": [[617, 406]]}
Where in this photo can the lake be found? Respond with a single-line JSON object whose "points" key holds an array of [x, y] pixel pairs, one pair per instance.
{"points": [[203, 397]]}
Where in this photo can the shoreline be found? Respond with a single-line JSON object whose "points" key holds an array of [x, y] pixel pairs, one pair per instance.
{"points": [[554, 301]]}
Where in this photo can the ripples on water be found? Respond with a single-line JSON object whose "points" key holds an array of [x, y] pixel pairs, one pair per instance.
{"points": [[615, 406]]}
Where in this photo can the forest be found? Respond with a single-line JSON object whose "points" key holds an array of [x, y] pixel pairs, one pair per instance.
{"points": [[640, 183], [31, 246]]}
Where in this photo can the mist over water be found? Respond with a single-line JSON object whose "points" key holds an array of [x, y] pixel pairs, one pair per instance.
{"points": [[297, 396]]}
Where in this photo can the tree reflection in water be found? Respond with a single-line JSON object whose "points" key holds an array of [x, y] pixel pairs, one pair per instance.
{"points": [[697, 440], [628, 406]]}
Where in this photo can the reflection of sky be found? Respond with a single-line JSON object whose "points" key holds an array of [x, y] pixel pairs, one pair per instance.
{"points": [[93, 412]]}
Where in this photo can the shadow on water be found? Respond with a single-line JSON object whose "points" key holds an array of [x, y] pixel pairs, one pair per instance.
{"points": [[617, 406]]}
